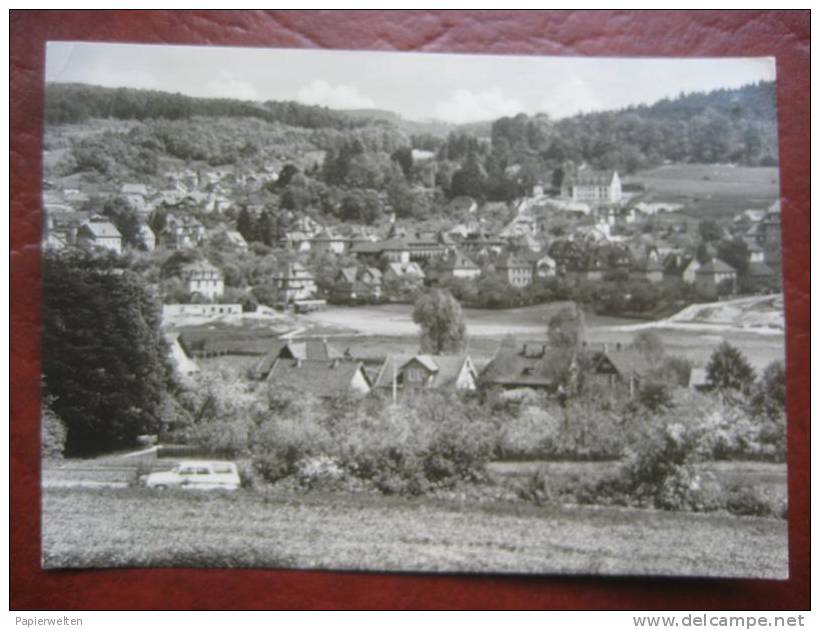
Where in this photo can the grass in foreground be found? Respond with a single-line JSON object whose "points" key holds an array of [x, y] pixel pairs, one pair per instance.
{"points": [[137, 527]]}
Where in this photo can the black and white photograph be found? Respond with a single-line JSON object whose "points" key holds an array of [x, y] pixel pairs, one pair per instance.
{"points": [[411, 312]]}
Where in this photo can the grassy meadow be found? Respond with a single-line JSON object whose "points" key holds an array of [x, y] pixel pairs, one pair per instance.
{"points": [[711, 191], [85, 528]]}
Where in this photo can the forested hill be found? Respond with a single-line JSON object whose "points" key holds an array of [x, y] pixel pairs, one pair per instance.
{"points": [[737, 125], [75, 103]]}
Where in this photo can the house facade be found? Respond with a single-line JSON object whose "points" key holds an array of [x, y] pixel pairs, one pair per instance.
{"points": [[517, 272], [427, 372], [98, 232], [460, 266], [203, 279], [293, 282], [714, 274], [594, 187]]}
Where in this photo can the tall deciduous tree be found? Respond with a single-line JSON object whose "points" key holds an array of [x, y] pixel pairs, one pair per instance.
{"points": [[441, 320], [104, 358], [566, 329], [728, 369]]}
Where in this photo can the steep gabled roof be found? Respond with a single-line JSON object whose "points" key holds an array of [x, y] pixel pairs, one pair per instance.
{"points": [[589, 177], [320, 378], [348, 274], [305, 350], [760, 270], [532, 365], [102, 229], [627, 361], [716, 265], [509, 261], [445, 369], [460, 261]]}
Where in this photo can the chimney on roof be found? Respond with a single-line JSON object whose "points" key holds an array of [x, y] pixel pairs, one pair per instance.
{"points": [[606, 348], [298, 362]]}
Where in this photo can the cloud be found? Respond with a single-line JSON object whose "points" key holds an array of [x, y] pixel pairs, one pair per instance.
{"points": [[228, 86], [320, 92], [466, 106], [572, 96]]}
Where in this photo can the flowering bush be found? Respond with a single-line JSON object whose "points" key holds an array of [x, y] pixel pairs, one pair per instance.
{"points": [[319, 472]]}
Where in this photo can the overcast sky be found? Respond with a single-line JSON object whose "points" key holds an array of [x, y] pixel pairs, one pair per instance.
{"points": [[455, 88]]}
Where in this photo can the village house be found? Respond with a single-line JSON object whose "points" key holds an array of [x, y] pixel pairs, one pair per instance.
{"points": [[203, 279], [293, 282], [482, 244], [425, 246], [761, 276], [182, 232], [408, 275], [99, 232], [425, 372], [756, 253], [593, 187], [533, 365], [714, 274], [54, 241], [296, 240], [236, 240], [621, 366], [296, 349], [370, 278], [353, 284], [393, 250], [649, 269], [328, 242], [543, 265], [536, 365], [517, 272], [136, 196], [458, 265], [651, 208], [324, 379], [149, 239], [690, 269]]}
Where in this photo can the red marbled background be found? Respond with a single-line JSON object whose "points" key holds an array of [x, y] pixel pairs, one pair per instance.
{"points": [[782, 34]]}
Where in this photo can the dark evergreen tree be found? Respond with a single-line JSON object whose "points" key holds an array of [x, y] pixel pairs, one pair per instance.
{"points": [[104, 358], [245, 225]]}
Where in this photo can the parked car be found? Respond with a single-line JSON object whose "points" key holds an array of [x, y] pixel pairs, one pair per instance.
{"points": [[196, 475]]}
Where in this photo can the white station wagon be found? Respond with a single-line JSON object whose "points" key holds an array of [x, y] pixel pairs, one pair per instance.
{"points": [[196, 475]]}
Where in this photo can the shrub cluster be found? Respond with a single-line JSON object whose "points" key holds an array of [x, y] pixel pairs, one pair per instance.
{"points": [[429, 442]]}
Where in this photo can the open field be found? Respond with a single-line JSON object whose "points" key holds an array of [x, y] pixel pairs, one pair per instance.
{"points": [[711, 190], [396, 319], [381, 328], [103, 528]]}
